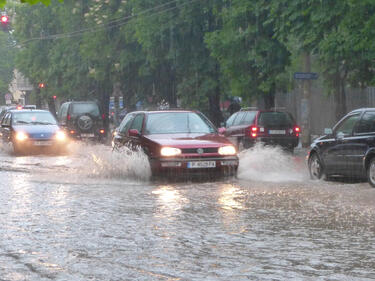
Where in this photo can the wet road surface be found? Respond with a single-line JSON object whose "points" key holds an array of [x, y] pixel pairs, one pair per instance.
{"points": [[95, 215]]}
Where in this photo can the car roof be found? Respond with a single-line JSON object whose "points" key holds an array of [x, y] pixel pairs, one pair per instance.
{"points": [[362, 109], [163, 111], [28, 110]]}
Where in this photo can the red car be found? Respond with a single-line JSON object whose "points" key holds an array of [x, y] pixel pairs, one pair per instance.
{"points": [[177, 141], [273, 127]]}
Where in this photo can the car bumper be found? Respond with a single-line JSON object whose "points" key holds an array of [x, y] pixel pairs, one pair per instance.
{"points": [[40, 145], [195, 165]]}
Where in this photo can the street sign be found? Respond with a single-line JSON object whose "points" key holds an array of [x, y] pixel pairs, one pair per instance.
{"points": [[8, 96], [306, 75]]}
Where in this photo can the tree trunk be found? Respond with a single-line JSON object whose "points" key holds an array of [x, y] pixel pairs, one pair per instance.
{"points": [[339, 96], [216, 115], [269, 99]]}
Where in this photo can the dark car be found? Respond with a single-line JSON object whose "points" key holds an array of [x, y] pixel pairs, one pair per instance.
{"points": [[250, 125], [346, 150], [177, 141], [32, 130], [82, 120]]}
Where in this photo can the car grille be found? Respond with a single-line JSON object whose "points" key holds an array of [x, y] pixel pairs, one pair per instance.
{"points": [[195, 150]]}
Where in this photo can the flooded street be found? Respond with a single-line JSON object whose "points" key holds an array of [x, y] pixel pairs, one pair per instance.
{"points": [[95, 215]]}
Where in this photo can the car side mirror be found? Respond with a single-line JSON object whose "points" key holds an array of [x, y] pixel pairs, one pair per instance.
{"points": [[328, 131], [133, 133], [221, 130]]}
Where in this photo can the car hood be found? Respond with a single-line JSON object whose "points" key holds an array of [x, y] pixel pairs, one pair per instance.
{"points": [[32, 129], [189, 140]]}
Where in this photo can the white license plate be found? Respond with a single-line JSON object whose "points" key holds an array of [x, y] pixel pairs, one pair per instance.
{"points": [[201, 164], [277, 132], [87, 135], [42, 143]]}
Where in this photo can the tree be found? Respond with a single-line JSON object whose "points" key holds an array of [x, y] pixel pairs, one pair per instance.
{"points": [[251, 59], [32, 2]]}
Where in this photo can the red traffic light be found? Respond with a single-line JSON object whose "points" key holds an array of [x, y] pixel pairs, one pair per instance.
{"points": [[4, 19], [41, 85], [54, 97]]}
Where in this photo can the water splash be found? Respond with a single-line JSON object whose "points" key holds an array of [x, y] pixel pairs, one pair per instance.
{"points": [[270, 164]]}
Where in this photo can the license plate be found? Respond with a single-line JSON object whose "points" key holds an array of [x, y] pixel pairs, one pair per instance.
{"points": [[201, 164], [87, 135], [277, 132], [42, 143]]}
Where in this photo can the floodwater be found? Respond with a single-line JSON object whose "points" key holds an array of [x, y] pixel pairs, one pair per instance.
{"points": [[95, 215]]}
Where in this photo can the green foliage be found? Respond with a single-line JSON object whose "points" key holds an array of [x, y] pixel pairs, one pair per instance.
{"points": [[31, 2], [7, 53]]}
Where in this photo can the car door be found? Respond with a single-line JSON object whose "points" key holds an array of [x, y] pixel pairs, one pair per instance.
{"points": [[363, 139], [6, 131], [337, 149], [234, 131], [137, 124], [121, 137]]}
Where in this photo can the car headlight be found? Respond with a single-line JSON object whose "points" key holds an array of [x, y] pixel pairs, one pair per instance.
{"points": [[170, 151], [21, 136], [227, 150], [60, 136]]}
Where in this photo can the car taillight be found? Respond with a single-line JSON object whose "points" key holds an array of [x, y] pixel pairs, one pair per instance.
{"points": [[72, 132], [102, 131], [253, 131], [103, 116], [69, 117], [297, 130]]}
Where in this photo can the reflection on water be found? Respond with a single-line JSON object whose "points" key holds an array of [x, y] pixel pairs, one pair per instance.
{"points": [[169, 201], [230, 196]]}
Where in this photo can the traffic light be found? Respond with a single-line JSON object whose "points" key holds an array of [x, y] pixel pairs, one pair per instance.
{"points": [[54, 97], [4, 20], [41, 85]]}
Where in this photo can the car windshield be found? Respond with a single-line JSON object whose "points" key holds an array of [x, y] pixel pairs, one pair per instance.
{"points": [[33, 118], [177, 122], [85, 108], [275, 119]]}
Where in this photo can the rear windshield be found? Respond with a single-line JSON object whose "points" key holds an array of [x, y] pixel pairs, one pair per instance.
{"points": [[275, 119], [84, 108]]}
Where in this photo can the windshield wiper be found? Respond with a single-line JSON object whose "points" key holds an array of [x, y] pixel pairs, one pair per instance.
{"points": [[22, 122]]}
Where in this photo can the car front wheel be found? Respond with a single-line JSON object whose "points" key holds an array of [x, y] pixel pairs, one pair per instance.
{"points": [[371, 172], [316, 168]]}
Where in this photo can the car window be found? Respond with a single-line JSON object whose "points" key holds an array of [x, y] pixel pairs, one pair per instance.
{"points": [[63, 111], [230, 120], [239, 118], [249, 118], [85, 108], [347, 125], [367, 123], [125, 124], [6, 120], [177, 122], [137, 123], [275, 119]]}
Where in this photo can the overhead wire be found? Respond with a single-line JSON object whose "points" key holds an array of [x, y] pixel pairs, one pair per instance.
{"points": [[111, 24]]}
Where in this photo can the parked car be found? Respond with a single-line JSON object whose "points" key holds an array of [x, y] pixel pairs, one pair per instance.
{"points": [[250, 125], [346, 150], [32, 130], [82, 120], [177, 141]]}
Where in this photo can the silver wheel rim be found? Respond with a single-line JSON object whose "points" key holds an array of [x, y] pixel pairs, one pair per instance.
{"points": [[372, 172], [315, 168]]}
